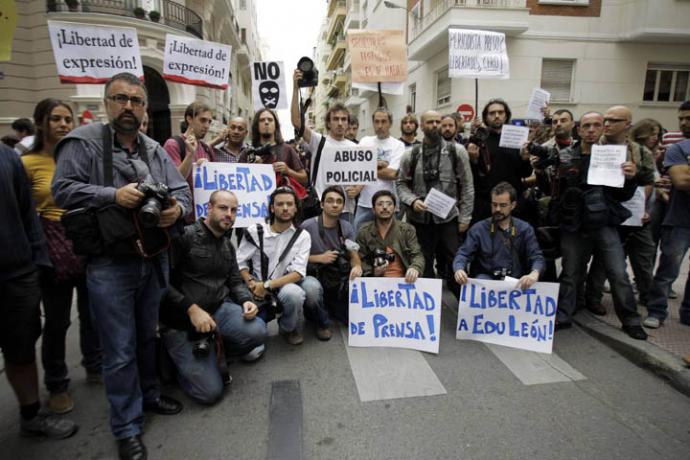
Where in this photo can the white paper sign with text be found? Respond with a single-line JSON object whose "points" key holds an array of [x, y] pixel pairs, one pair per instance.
{"points": [[513, 137], [636, 205], [537, 101], [348, 165], [196, 62], [477, 54], [438, 203], [605, 165]]}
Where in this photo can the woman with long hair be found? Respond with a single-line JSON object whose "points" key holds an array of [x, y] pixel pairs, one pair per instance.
{"points": [[54, 120]]}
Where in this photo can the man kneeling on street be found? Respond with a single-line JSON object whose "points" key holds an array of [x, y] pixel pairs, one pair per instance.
{"points": [[208, 298], [273, 263], [334, 258], [387, 246], [501, 245]]}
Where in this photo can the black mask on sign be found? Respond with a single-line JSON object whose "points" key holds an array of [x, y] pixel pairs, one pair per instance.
{"points": [[269, 91]]}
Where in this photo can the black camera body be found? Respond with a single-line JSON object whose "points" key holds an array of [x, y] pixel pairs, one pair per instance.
{"points": [[156, 199], [501, 273], [547, 156], [479, 136], [310, 76], [262, 151], [381, 257], [201, 343]]}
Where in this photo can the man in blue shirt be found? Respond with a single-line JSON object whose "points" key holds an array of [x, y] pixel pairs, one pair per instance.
{"points": [[500, 245]]}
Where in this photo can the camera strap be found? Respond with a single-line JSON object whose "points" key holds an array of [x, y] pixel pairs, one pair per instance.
{"points": [[303, 106], [322, 232], [317, 159], [263, 256]]}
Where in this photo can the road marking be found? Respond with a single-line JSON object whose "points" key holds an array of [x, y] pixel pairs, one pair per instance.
{"points": [[285, 421], [535, 368], [389, 373]]}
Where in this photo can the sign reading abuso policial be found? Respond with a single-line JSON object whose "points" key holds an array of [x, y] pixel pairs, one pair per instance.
{"points": [[348, 165]]}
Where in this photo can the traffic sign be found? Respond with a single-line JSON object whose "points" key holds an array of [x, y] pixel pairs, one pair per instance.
{"points": [[467, 112]]}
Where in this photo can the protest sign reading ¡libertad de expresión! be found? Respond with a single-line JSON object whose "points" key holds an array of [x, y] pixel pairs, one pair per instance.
{"points": [[93, 54], [377, 55], [477, 54], [196, 62]]}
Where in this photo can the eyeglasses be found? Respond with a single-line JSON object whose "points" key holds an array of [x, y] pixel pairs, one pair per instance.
{"points": [[614, 120], [122, 99]]}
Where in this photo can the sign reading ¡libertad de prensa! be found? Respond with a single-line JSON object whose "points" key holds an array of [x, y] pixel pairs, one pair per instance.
{"points": [[477, 54], [348, 165], [251, 183], [196, 62], [93, 54], [389, 312], [377, 55], [496, 312]]}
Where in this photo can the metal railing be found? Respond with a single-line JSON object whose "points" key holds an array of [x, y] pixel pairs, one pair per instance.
{"points": [[419, 24], [172, 14]]}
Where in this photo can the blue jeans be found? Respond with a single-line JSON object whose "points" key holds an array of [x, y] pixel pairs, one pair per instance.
{"points": [[125, 296], [291, 298], [314, 305], [577, 248], [200, 378], [674, 245], [362, 216]]}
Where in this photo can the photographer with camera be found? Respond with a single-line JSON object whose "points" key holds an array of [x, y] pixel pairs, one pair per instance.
{"points": [[387, 246], [273, 262], [127, 270], [333, 260], [208, 297], [501, 245]]}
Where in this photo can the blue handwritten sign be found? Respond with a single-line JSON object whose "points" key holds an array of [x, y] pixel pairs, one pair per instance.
{"points": [[495, 312], [389, 312], [251, 183]]}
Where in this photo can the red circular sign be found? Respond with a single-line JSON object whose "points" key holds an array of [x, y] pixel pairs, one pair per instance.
{"points": [[467, 112]]}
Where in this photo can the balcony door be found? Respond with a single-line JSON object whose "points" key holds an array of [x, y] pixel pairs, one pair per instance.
{"points": [[159, 105]]}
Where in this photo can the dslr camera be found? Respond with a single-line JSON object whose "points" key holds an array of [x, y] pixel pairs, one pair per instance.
{"points": [[547, 156], [381, 257], [156, 198], [500, 273], [254, 152], [479, 136], [201, 343]]}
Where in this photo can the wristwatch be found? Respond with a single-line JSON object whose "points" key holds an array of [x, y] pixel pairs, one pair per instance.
{"points": [[267, 285]]}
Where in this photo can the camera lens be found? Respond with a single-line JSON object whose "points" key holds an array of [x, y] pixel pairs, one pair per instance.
{"points": [[150, 213]]}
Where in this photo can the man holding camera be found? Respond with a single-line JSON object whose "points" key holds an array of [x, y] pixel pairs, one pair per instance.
{"points": [[273, 262], [207, 296], [333, 260], [125, 290], [387, 246], [501, 245]]}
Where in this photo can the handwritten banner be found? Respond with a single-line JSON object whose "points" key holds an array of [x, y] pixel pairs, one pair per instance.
{"points": [[388, 312], [268, 85], [196, 62], [251, 183], [377, 55], [495, 312], [348, 165], [92, 54], [477, 54]]}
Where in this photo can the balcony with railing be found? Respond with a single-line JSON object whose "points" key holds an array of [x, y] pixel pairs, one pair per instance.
{"points": [[335, 20], [172, 14], [335, 60], [427, 34], [352, 16]]}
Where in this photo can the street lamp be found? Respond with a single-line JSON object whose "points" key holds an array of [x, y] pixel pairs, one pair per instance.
{"points": [[394, 6]]}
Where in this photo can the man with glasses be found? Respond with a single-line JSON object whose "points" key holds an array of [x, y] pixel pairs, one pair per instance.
{"points": [[125, 291]]}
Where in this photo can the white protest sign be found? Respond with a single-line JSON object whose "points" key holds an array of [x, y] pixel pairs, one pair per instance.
{"points": [[636, 205], [605, 165], [389, 312], [268, 85], [513, 137], [537, 101], [93, 54], [251, 183], [477, 54], [394, 88], [196, 62], [348, 165], [438, 203], [495, 312]]}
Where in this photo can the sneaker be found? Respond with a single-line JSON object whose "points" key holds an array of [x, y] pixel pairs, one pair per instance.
{"points": [[254, 354], [651, 322], [672, 294], [49, 426], [636, 332], [60, 403], [323, 333], [294, 337]]}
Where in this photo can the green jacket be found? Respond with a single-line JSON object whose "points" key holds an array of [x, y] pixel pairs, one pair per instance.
{"points": [[401, 237]]}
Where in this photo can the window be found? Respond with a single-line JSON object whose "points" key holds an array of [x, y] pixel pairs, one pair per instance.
{"points": [[243, 35], [667, 83], [557, 78], [413, 97], [243, 4], [442, 87]]}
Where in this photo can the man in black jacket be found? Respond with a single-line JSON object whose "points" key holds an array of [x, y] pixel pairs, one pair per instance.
{"points": [[208, 296]]}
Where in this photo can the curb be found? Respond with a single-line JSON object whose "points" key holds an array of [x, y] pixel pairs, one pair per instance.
{"points": [[642, 353]]}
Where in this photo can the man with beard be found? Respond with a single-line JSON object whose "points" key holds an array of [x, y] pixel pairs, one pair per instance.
{"points": [[273, 262], [234, 145], [125, 291], [501, 245], [208, 297], [492, 164], [408, 128], [436, 164], [387, 246]]}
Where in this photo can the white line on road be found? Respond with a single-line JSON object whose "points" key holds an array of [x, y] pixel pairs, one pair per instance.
{"points": [[535, 368], [389, 373]]}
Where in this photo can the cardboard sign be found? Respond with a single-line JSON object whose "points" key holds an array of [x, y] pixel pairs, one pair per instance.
{"points": [[348, 165], [251, 183], [605, 165], [93, 54], [495, 312], [268, 85], [196, 62], [477, 54], [389, 312], [377, 55]]}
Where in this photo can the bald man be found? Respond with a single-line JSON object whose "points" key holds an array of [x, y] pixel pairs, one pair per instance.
{"points": [[234, 144]]}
